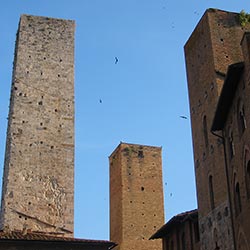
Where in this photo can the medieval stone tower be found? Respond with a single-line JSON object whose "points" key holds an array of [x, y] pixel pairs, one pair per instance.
{"points": [[38, 178], [214, 44], [136, 196]]}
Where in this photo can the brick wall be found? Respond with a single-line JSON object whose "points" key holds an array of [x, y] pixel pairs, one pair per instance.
{"points": [[214, 44], [136, 196]]}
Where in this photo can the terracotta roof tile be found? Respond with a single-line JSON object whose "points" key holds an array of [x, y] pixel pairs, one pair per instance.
{"points": [[38, 236]]}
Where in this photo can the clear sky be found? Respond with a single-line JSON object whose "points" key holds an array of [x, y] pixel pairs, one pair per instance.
{"points": [[143, 95]]}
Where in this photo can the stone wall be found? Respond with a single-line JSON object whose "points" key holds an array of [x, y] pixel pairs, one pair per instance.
{"points": [[38, 179]]}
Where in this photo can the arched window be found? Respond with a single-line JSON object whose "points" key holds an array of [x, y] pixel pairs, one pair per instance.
{"points": [[211, 191], [205, 134], [237, 198], [231, 144], [241, 119], [216, 239]]}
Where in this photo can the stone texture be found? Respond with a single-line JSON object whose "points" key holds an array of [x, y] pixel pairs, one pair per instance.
{"points": [[136, 196], [38, 192]]}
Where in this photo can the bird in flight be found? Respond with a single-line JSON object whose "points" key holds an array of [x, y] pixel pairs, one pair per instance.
{"points": [[100, 100], [116, 60], [183, 117]]}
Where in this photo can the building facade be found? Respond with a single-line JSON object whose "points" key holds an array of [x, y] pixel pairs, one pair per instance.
{"points": [[181, 232], [231, 122], [136, 196], [212, 47]]}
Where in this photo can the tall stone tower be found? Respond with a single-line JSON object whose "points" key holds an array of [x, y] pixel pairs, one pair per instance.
{"points": [[212, 47], [136, 196], [38, 181]]}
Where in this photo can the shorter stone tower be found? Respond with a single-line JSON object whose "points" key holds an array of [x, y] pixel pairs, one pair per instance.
{"points": [[38, 182], [136, 196]]}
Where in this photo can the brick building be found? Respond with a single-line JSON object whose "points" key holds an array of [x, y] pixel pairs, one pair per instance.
{"points": [[213, 46], [37, 209], [231, 122], [180, 232], [136, 196]]}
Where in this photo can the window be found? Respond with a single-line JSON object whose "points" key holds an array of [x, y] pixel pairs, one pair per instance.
{"points": [[140, 154], [237, 198], [248, 178], [205, 134], [231, 144], [247, 171], [241, 119], [211, 191]]}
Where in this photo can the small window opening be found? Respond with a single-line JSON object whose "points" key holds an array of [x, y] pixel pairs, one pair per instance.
{"points": [[248, 178], [237, 199], [211, 191], [231, 145], [205, 134], [242, 125], [140, 154], [142, 188]]}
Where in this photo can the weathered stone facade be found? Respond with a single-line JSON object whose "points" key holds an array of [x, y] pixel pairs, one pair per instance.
{"points": [[214, 44], [38, 191], [136, 196]]}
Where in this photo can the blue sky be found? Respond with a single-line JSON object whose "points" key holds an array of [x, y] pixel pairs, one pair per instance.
{"points": [[143, 95]]}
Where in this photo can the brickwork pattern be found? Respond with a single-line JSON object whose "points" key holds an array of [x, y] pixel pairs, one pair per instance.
{"points": [[39, 161], [238, 164], [214, 44], [136, 196]]}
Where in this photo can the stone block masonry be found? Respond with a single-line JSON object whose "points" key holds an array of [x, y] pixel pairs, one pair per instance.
{"points": [[38, 191]]}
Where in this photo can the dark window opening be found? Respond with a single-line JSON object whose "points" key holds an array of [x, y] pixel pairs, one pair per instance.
{"points": [[140, 154], [231, 145], [241, 119], [237, 199], [211, 191], [248, 179], [205, 134]]}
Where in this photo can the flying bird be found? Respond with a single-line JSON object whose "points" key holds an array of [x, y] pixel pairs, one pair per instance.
{"points": [[116, 60], [100, 100], [183, 117]]}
